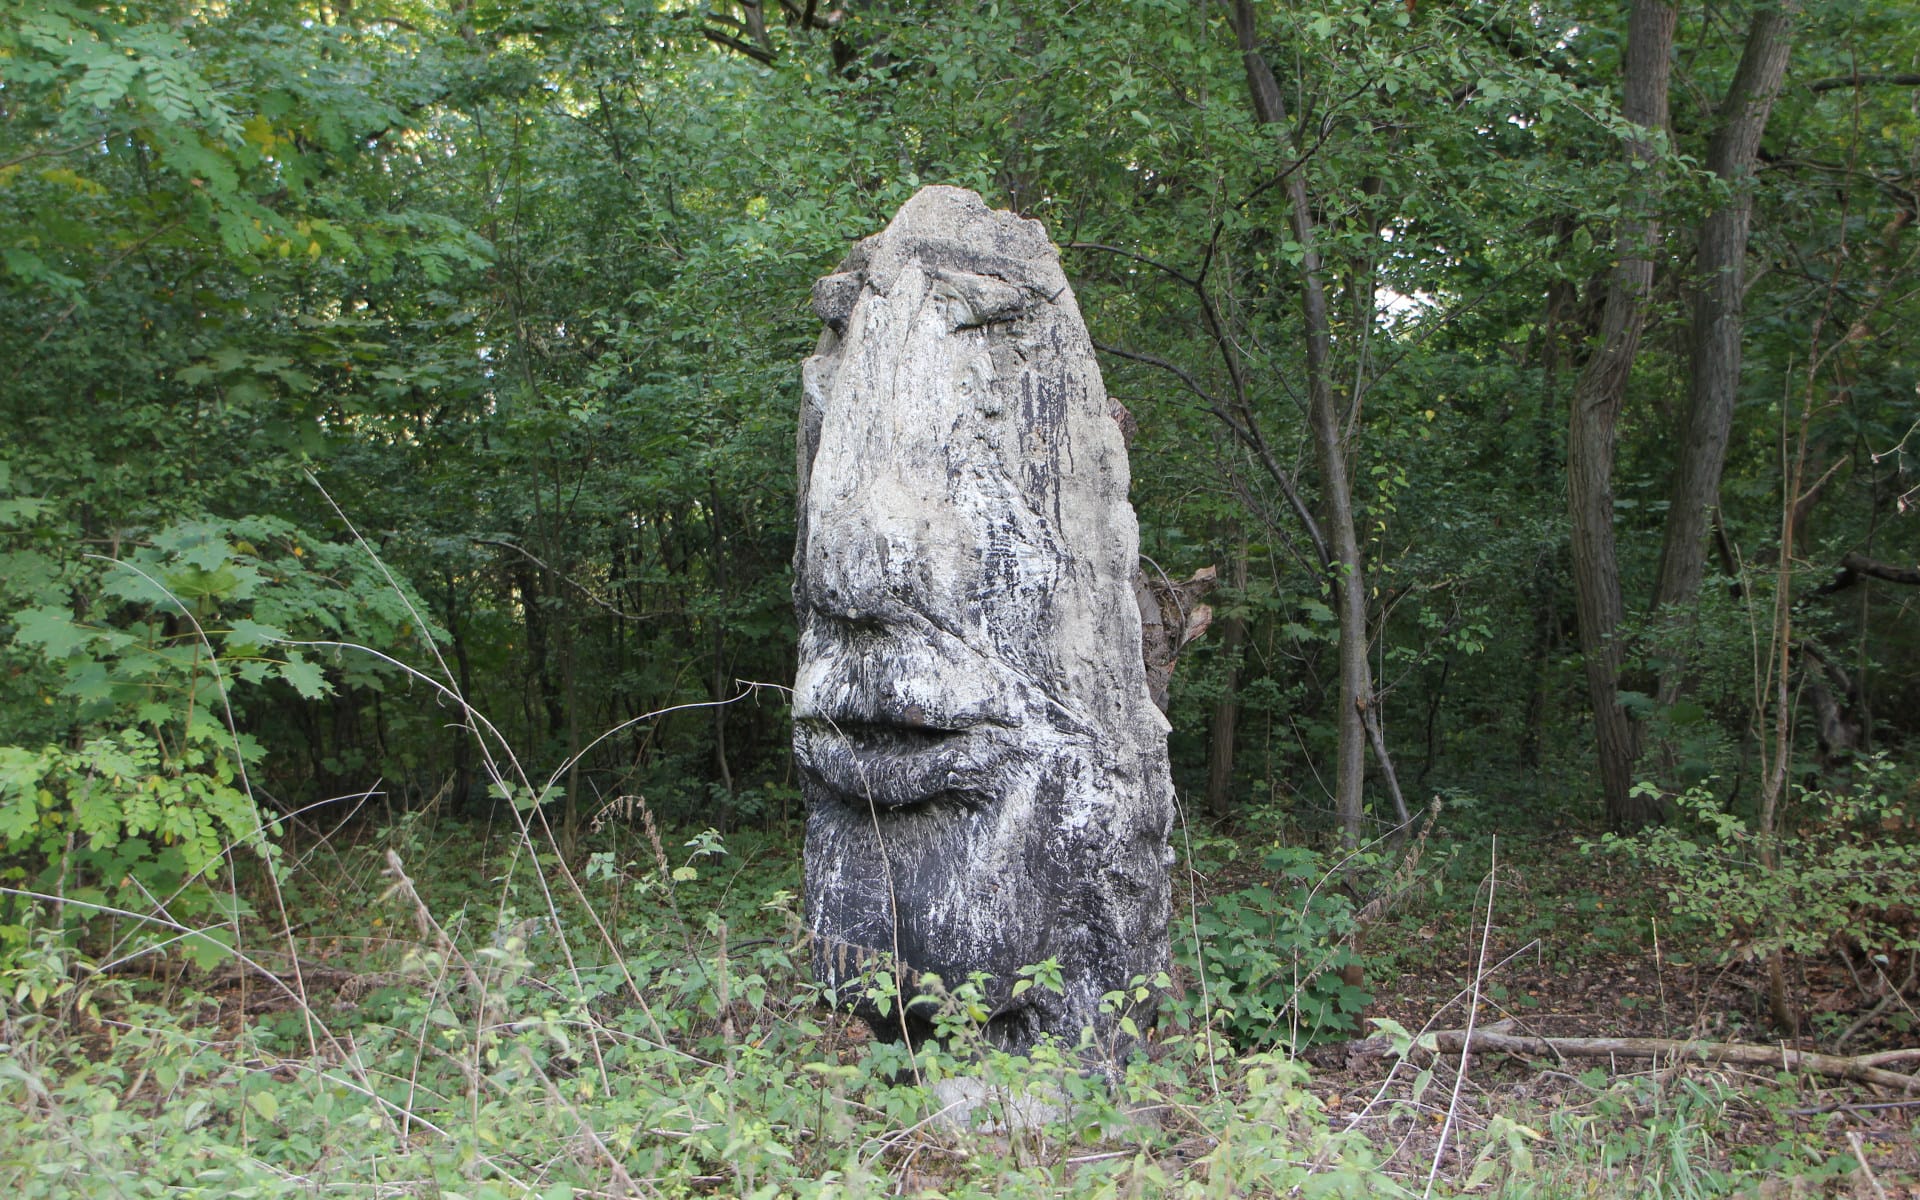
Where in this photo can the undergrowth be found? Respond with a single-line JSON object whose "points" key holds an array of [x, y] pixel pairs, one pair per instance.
{"points": [[442, 1007], [446, 1018], [440, 1025]]}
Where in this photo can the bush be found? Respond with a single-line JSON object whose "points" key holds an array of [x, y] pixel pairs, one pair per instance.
{"points": [[127, 686], [1273, 955], [1844, 879]]}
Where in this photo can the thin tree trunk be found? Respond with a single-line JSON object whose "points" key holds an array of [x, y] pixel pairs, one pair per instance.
{"points": [[462, 729], [1597, 399], [1543, 589], [546, 700], [570, 679], [717, 679], [1717, 308], [1348, 578], [1226, 710]]}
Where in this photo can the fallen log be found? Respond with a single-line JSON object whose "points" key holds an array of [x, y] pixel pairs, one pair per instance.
{"points": [[1861, 1068]]}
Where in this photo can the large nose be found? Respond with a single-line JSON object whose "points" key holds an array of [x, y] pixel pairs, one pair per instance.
{"points": [[894, 508], [851, 561]]}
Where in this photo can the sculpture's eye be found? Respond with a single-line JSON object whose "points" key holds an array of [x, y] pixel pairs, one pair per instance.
{"points": [[970, 301]]}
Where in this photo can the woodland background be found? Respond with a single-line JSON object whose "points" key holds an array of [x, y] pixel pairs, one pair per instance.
{"points": [[521, 290], [391, 386]]}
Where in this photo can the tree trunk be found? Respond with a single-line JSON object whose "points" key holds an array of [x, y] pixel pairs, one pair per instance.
{"points": [[718, 686], [1597, 399], [463, 728], [545, 699], [1544, 588], [1717, 307], [570, 694], [1226, 710], [1347, 578]]}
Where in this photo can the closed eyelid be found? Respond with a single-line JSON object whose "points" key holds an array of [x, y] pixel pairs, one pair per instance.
{"points": [[972, 300]]}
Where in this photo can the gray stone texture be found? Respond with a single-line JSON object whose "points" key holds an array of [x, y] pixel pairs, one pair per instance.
{"points": [[985, 772]]}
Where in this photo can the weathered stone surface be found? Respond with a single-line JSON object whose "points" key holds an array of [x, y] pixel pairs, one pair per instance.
{"points": [[985, 774]]}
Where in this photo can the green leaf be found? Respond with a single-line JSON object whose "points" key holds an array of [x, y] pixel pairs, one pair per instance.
{"points": [[246, 634], [51, 629], [264, 1103], [192, 583], [209, 947], [20, 774], [21, 510], [307, 678]]}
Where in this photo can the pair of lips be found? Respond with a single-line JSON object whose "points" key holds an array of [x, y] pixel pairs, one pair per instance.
{"points": [[892, 763]]}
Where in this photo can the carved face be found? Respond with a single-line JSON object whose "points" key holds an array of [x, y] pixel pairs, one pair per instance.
{"points": [[985, 775]]}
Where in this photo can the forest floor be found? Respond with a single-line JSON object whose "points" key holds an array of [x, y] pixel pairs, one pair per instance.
{"points": [[1582, 945], [422, 950]]}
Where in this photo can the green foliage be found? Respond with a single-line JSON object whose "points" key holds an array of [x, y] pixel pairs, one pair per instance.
{"points": [[126, 776], [231, 126], [525, 287], [494, 1039], [1668, 1137], [1273, 954], [1843, 877], [497, 1049]]}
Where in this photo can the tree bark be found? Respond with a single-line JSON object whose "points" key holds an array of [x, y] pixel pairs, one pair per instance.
{"points": [[462, 729], [1860, 564], [1597, 399], [1346, 574], [1226, 710], [1717, 307], [718, 685]]}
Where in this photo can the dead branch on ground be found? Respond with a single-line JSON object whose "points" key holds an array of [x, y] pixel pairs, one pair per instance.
{"points": [[1863, 1068]]}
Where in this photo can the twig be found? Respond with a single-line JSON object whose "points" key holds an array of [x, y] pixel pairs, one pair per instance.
{"points": [[565, 578], [735, 44], [1866, 1168], [1859, 80], [1370, 720], [1473, 1012], [1822, 1109], [1402, 878], [1893, 993]]}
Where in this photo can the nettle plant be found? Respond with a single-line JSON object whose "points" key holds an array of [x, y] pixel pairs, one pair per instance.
{"points": [[124, 760], [1273, 954]]}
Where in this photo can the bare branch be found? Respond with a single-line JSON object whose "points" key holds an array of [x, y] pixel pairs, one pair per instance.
{"points": [[1863, 80], [1142, 259], [1179, 372], [1249, 434], [735, 44], [1861, 564], [565, 578]]}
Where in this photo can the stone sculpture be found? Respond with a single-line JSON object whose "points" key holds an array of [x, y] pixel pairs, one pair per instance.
{"points": [[985, 773]]}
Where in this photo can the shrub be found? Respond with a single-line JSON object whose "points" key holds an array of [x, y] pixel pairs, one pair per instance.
{"points": [[1274, 952], [123, 761], [1845, 873]]}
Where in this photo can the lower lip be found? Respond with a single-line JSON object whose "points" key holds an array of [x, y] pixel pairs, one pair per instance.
{"points": [[897, 766]]}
